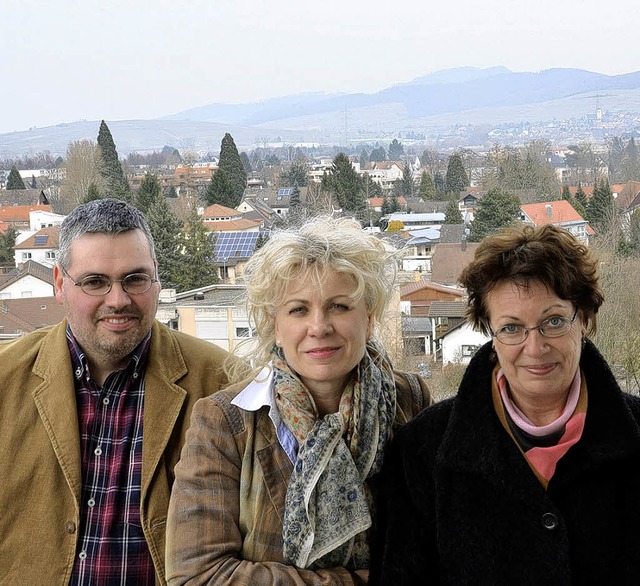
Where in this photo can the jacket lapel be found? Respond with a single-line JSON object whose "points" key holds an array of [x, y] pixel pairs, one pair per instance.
{"points": [[56, 403], [163, 399]]}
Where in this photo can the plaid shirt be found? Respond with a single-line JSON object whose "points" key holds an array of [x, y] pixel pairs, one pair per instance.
{"points": [[111, 547]]}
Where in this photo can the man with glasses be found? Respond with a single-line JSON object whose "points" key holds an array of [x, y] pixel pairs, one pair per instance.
{"points": [[93, 413]]}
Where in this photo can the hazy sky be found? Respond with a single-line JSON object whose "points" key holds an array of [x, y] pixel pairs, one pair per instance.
{"points": [[67, 60]]}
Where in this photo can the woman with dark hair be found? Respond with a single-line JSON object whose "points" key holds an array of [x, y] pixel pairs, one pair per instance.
{"points": [[531, 474]]}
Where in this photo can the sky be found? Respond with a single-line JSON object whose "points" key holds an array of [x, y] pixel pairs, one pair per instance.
{"points": [[69, 60]]}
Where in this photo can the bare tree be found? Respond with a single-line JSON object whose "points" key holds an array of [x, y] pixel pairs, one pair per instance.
{"points": [[83, 165]]}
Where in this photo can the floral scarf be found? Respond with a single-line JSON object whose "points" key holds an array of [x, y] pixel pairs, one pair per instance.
{"points": [[327, 506]]}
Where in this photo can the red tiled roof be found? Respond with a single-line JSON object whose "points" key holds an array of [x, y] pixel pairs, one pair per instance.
{"points": [[218, 211], [13, 214], [561, 211], [232, 225], [53, 232]]}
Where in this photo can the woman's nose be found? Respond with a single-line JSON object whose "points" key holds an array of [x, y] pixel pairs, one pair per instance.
{"points": [[535, 343], [319, 325]]}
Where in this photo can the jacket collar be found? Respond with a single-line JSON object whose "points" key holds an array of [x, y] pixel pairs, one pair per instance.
{"points": [[476, 442]]}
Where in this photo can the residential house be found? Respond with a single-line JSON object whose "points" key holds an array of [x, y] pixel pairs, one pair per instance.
{"points": [[21, 316], [559, 213], [449, 259], [218, 218], [415, 300], [418, 250], [30, 279], [460, 343], [417, 221], [41, 247], [23, 197], [384, 173], [19, 216]]}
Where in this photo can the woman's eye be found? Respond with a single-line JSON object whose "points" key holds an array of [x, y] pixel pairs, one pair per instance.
{"points": [[340, 307], [296, 310], [510, 329]]}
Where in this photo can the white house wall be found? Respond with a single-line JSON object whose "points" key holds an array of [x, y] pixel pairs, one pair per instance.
{"points": [[463, 336], [28, 286]]}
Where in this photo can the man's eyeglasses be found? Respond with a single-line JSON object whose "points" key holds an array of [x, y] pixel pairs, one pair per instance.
{"points": [[133, 284], [554, 327]]}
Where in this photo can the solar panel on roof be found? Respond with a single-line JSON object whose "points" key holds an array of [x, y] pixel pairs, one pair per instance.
{"points": [[235, 245], [286, 191], [40, 239]]}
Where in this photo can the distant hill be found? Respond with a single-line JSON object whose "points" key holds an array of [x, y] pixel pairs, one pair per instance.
{"points": [[465, 95]]}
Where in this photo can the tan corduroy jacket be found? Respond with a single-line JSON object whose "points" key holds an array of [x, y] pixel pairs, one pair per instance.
{"points": [[227, 504], [40, 449]]}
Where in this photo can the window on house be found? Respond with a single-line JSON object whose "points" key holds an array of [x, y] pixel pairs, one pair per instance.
{"points": [[51, 255], [469, 350], [26, 255]]}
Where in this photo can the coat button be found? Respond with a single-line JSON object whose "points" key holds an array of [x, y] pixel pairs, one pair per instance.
{"points": [[550, 521], [71, 527]]}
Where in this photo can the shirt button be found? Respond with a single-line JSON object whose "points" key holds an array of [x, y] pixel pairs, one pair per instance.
{"points": [[550, 521], [135, 375], [71, 527], [78, 372], [98, 451], [82, 555], [105, 401], [91, 503]]}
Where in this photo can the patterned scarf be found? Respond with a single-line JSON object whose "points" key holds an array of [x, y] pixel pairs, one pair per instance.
{"points": [[327, 506]]}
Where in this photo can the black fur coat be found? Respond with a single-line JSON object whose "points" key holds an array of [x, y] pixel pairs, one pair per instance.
{"points": [[460, 504]]}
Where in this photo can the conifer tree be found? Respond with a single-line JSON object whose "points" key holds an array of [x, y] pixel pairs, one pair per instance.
{"points": [[231, 163], [378, 155], [220, 190], [456, 178], [197, 254], [7, 244], [396, 150], [92, 193], [166, 230], [438, 182], [427, 189], [496, 210], [111, 170], [246, 163], [14, 180], [566, 194], [601, 208], [346, 184], [452, 213], [149, 191], [581, 201]]}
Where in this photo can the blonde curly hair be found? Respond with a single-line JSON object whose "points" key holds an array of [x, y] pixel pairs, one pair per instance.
{"points": [[294, 254]]}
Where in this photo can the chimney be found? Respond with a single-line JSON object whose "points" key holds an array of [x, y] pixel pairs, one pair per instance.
{"points": [[549, 209]]}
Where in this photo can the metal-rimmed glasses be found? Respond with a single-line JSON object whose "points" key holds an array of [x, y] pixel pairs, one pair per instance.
{"points": [[133, 284], [553, 327]]}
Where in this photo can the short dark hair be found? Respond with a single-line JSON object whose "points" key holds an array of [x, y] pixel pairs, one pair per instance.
{"points": [[523, 254], [100, 216]]}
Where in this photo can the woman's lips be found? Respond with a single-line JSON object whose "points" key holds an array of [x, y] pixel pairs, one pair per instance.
{"points": [[321, 353], [540, 370]]}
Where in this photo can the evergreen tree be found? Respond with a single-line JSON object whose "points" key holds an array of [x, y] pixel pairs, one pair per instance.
{"points": [[631, 161], [111, 169], [346, 184], [456, 178], [438, 183], [149, 191], [427, 189], [364, 158], [34, 184], [14, 181], [390, 204], [166, 230], [378, 155], [496, 210], [566, 194], [581, 203], [7, 244], [601, 209], [92, 193], [220, 190], [246, 163], [371, 188], [197, 248], [405, 186], [396, 150], [231, 163], [296, 175], [452, 214], [172, 193]]}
